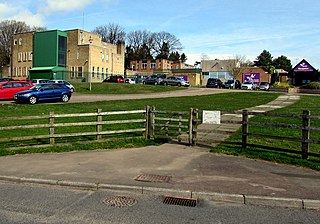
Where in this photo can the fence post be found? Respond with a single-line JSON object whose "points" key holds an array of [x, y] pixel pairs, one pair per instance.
{"points": [[99, 125], [245, 128], [195, 113], [147, 122], [305, 134], [152, 121], [51, 128]]}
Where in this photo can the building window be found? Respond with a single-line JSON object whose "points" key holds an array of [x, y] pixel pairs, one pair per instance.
{"points": [[153, 65], [79, 72], [15, 42], [20, 41], [72, 73], [78, 54], [20, 56], [92, 71], [144, 65], [62, 51], [159, 65], [98, 75], [102, 56], [133, 67], [30, 56]]}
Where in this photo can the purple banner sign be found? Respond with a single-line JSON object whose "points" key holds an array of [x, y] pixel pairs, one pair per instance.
{"points": [[251, 77], [303, 67]]}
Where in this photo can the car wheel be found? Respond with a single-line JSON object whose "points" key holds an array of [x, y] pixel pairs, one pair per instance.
{"points": [[33, 100], [179, 84], [72, 90], [155, 83], [65, 98], [165, 83], [143, 83]]}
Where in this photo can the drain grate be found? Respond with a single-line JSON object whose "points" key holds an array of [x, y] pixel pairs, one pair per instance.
{"points": [[153, 178], [119, 201], [180, 201]]}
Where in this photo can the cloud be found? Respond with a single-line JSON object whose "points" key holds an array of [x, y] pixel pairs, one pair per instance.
{"points": [[65, 5], [20, 13]]}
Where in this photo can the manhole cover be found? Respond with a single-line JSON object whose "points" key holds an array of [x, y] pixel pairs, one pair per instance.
{"points": [[119, 201], [180, 201], [153, 178]]}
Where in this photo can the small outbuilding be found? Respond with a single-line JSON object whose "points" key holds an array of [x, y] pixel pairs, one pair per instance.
{"points": [[304, 73]]}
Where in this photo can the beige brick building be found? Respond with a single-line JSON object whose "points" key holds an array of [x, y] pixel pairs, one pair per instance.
{"points": [[21, 55], [88, 57]]}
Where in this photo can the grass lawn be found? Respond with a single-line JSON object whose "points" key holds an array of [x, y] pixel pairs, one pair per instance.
{"points": [[277, 155], [121, 88], [227, 102]]}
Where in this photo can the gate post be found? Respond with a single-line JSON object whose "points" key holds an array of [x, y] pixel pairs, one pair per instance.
{"points": [[99, 126], [244, 128], [305, 134], [193, 126], [51, 128], [147, 122]]}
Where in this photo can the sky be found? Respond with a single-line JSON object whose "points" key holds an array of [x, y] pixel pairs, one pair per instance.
{"points": [[218, 29]]}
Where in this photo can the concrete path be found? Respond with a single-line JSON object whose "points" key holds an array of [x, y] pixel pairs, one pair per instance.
{"points": [[213, 134]]}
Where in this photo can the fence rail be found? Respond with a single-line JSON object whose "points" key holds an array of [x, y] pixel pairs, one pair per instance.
{"points": [[152, 123], [52, 124]]}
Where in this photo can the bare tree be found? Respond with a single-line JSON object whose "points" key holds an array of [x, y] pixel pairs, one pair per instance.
{"points": [[204, 57], [136, 39], [111, 33], [241, 62], [7, 29], [164, 38]]}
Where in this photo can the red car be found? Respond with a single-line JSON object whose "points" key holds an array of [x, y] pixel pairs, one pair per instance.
{"points": [[8, 89], [115, 78]]}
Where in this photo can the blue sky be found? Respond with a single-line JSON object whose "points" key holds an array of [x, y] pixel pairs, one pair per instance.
{"points": [[217, 28]]}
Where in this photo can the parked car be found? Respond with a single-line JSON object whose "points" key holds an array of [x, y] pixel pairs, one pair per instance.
{"points": [[5, 79], [232, 84], [214, 83], [8, 89], [175, 81], [115, 78], [72, 88], [130, 81], [44, 92], [153, 80], [39, 81], [248, 85], [264, 86]]}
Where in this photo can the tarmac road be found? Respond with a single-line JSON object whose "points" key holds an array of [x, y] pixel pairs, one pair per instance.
{"points": [[80, 97]]}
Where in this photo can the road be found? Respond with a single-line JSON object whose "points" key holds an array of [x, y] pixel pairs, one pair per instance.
{"points": [[80, 97], [24, 204]]}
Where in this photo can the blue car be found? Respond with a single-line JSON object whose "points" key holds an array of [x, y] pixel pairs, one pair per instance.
{"points": [[44, 92]]}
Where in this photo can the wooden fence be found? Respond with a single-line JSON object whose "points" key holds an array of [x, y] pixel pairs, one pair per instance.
{"points": [[51, 125], [157, 124]]}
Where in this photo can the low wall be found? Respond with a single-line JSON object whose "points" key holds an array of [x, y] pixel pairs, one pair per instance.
{"points": [[295, 90]]}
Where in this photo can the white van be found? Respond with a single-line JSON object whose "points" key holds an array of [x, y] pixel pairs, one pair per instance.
{"points": [[71, 87], [39, 81]]}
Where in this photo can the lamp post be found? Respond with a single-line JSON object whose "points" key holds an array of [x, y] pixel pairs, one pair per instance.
{"points": [[90, 74]]}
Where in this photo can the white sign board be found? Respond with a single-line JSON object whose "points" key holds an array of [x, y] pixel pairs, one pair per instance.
{"points": [[211, 117]]}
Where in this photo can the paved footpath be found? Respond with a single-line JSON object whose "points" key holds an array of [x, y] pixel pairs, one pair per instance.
{"points": [[179, 171]]}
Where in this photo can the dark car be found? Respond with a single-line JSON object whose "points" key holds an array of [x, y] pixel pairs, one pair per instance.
{"points": [[115, 79], [214, 83], [232, 84], [153, 80], [44, 92]]}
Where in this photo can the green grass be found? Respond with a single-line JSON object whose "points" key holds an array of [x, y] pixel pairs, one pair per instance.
{"points": [[121, 88], [281, 148], [226, 102]]}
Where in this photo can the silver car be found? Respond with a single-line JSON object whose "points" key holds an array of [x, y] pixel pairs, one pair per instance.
{"points": [[175, 81]]}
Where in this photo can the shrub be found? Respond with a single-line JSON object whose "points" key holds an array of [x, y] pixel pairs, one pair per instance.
{"points": [[311, 85], [281, 85]]}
